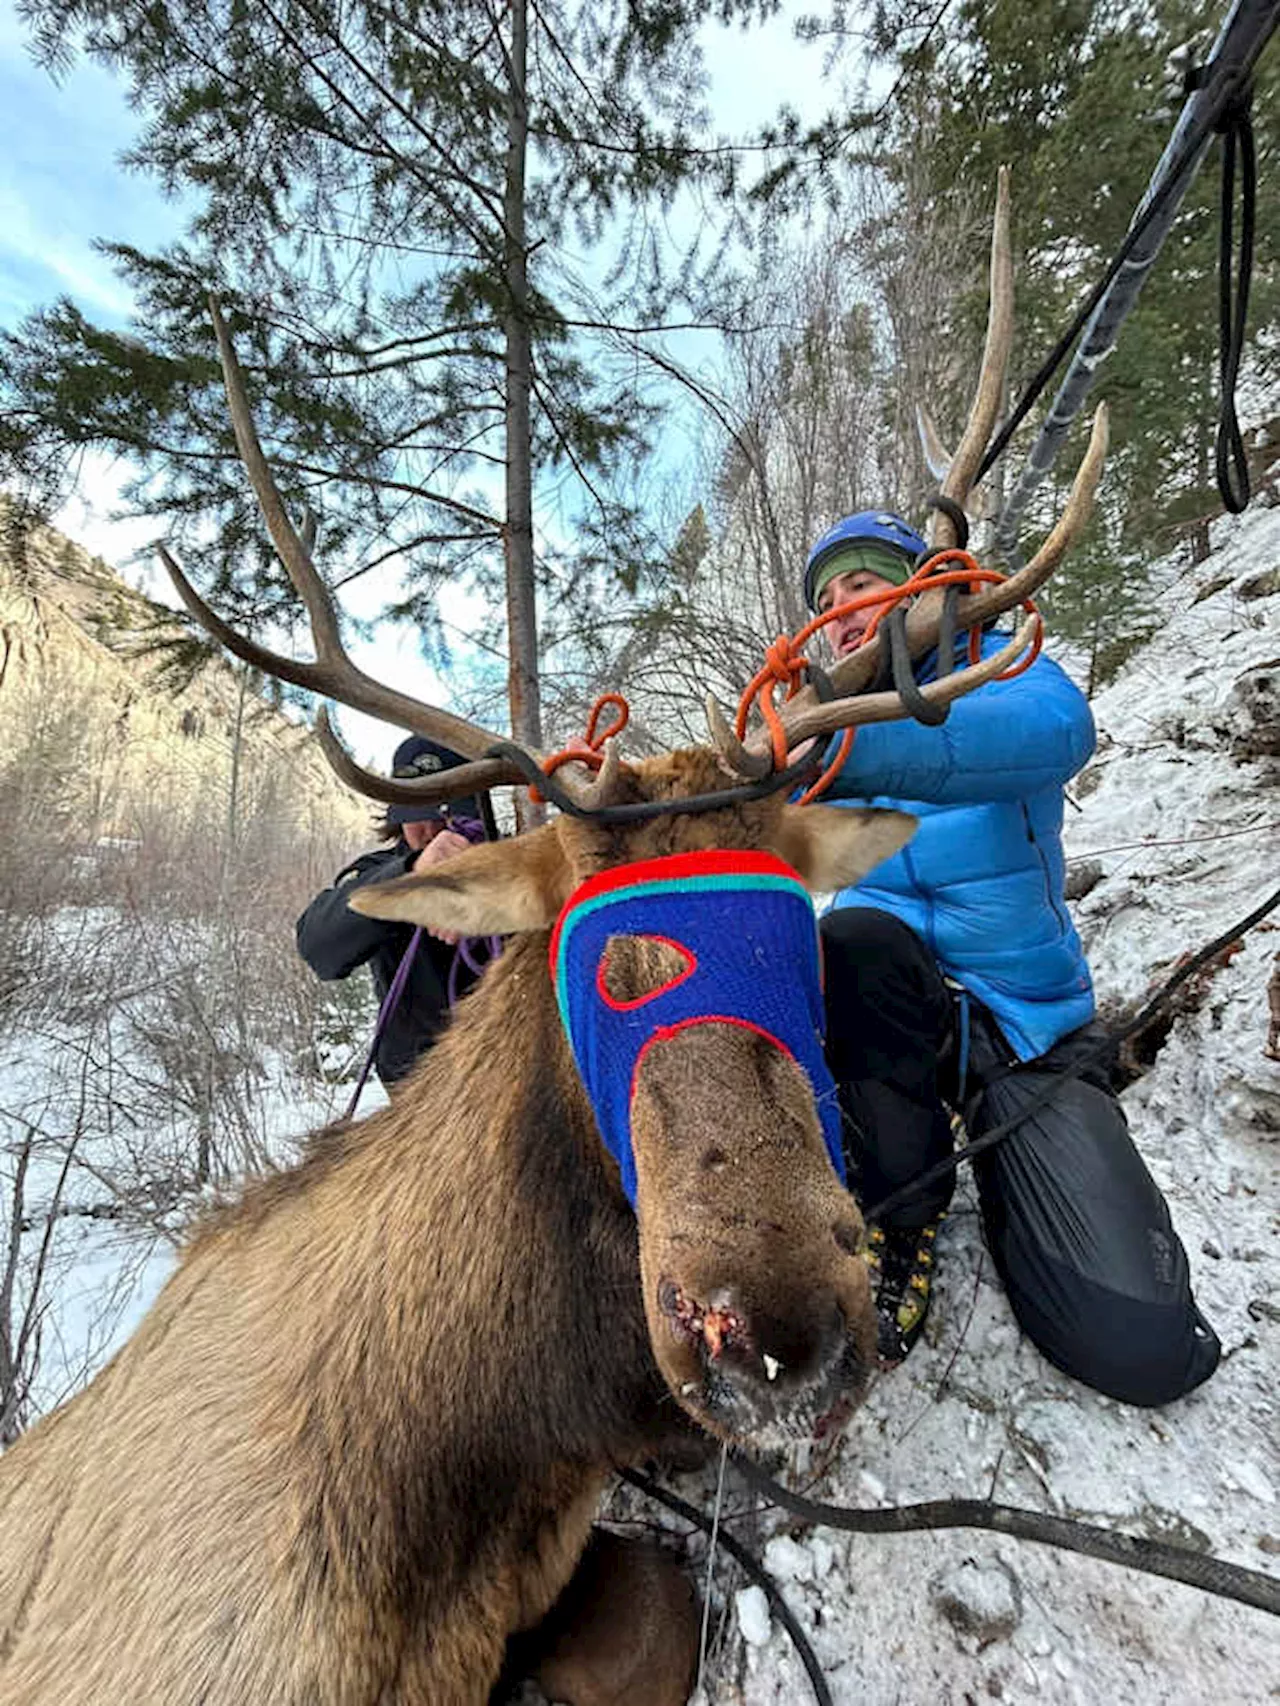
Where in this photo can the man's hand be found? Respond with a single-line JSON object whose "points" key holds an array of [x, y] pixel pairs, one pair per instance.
{"points": [[446, 845]]}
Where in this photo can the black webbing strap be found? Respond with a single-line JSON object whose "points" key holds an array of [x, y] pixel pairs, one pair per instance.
{"points": [[1231, 465]]}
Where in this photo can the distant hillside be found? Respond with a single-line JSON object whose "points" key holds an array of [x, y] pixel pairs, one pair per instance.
{"points": [[84, 691]]}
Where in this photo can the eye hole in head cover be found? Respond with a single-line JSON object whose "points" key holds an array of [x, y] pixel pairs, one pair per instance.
{"points": [[635, 969]]}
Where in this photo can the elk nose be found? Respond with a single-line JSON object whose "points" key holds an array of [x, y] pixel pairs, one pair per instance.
{"points": [[800, 1350], [760, 1349]]}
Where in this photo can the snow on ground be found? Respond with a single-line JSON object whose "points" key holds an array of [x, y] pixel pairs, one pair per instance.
{"points": [[86, 1099], [956, 1616]]}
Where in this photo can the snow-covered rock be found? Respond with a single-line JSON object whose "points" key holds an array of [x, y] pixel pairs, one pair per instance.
{"points": [[753, 1615]]}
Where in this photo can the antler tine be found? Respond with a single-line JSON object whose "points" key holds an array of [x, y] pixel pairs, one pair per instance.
{"points": [[739, 758], [983, 606], [292, 552], [271, 663], [426, 791], [605, 786], [937, 458], [989, 391], [333, 674], [804, 721]]}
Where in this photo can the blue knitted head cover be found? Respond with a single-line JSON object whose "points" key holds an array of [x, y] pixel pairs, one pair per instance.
{"points": [[745, 925]]}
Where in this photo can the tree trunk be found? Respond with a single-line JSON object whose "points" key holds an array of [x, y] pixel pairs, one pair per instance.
{"points": [[522, 613], [1204, 430], [11, 1385], [233, 788]]}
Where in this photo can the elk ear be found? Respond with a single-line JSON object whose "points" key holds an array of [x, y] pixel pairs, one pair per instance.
{"points": [[496, 890], [832, 846]]}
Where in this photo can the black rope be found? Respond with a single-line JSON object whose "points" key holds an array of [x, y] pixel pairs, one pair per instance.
{"points": [[1210, 122], [1230, 462], [1132, 1552], [958, 519], [1129, 1551], [1091, 1057], [754, 1568], [640, 810], [904, 681]]}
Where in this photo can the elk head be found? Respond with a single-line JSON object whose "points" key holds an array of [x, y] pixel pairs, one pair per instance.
{"points": [[706, 1082], [684, 956]]}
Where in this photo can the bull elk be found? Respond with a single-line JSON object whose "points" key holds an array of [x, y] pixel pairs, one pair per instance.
{"points": [[357, 1443]]}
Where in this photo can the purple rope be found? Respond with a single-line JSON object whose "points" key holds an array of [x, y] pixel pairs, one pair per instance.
{"points": [[389, 1003], [464, 955], [464, 952], [470, 828]]}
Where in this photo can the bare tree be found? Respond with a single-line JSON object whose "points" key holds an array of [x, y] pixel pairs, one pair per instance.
{"points": [[815, 416]]}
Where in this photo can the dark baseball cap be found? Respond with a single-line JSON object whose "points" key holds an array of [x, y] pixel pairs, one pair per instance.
{"points": [[416, 759]]}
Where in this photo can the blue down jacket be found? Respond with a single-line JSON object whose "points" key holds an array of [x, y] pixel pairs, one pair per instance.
{"points": [[981, 880]]}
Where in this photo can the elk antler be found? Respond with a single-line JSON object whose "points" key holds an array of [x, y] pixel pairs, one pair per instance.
{"points": [[804, 717], [333, 674]]}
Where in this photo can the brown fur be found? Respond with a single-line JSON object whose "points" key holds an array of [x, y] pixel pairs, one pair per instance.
{"points": [[358, 1441], [625, 1631]]}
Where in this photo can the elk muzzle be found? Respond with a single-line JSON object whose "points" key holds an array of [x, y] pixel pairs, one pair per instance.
{"points": [[758, 1303]]}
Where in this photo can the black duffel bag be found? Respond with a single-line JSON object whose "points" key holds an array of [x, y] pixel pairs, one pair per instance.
{"points": [[1077, 1227]]}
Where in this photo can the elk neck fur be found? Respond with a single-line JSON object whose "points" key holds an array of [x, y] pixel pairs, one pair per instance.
{"points": [[370, 1477]]}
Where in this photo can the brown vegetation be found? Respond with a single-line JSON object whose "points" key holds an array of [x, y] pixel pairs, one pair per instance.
{"points": [[159, 842]]}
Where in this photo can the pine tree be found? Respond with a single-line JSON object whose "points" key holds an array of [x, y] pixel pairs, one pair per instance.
{"points": [[388, 201], [1080, 96]]}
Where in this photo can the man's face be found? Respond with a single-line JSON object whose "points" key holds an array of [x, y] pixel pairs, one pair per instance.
{"points": [[847, 632], [420, 835]]}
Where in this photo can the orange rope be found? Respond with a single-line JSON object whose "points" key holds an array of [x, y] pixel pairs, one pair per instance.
{"points": [[785, 663], [591, 754]]}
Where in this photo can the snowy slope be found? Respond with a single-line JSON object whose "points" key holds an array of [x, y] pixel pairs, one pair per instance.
{"points": [[975, 1411]]}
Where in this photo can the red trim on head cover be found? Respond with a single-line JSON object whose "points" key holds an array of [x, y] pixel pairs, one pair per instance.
{"points": [[664, 1034], [712, 862]]}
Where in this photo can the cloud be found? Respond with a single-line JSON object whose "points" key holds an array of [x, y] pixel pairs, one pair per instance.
{"points": [[61, 185]]}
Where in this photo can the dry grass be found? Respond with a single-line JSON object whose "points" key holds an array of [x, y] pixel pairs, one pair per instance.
{"points": [[157, 848]]}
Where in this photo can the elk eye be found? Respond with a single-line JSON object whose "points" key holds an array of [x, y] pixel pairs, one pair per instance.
{"points": [[633, 969]]}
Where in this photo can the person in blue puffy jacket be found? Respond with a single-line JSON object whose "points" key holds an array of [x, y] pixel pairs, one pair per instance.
{"points": [[954, 976]]}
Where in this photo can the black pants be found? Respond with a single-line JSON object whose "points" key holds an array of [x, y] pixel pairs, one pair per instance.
{"points": [[888, 1024], [1078, 1229]]}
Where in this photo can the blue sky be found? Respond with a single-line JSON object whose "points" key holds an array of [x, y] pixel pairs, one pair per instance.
{"points": [[61, 184]]}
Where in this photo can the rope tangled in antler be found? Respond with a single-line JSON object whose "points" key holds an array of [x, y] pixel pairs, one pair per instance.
{"points": [[787, 666]]}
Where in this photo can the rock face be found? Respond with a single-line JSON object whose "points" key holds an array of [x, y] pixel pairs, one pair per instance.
{"points": [[93, 698], [1253, 712]]}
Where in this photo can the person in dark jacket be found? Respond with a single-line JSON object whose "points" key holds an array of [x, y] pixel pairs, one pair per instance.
{"points": [[955, 980], [333, 940]]}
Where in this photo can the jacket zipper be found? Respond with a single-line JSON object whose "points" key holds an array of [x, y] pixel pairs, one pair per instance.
{"points": [[1063, 923]]}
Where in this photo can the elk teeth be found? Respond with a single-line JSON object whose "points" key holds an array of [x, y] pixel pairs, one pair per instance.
{"points": [[688, 1389], [771, 1366]]}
